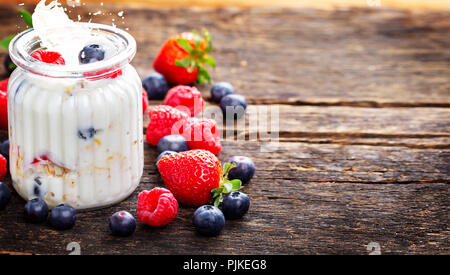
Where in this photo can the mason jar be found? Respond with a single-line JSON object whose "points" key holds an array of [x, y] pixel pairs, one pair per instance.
{"points": [[75, 132]]}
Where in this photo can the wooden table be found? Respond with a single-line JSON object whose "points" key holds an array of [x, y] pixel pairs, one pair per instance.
{"points": [[364, 129]]}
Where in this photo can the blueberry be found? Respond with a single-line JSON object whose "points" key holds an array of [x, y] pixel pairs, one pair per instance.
{"points": [[208, 220], [244, 170], [63, 217], [235, 205], [9, 65], [155, 85], [233, 105], [221, 89], [91, 53], [122, 224], [36, 210], [86, 133], [5, 195], [4, 149], [165, 153], [175, 143]]}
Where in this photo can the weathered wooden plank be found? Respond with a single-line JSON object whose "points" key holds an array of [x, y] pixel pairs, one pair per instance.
{"points": [[376, 121], [315, 218], [302, 56], [411, 127], [356, 139], [323, 4], [305, 199], [413, 122], [341, 163], [318, 57], [408, 126], [332, 191]]}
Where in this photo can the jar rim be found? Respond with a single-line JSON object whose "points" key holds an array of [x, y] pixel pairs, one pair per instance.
{"points": [[21, 45]]}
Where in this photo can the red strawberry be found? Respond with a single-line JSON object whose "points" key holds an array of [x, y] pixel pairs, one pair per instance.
{"points": [[164, 120], [187, 96], [144, 101], [157, 207], [49, 57], [3, 165], [3, 104], [191, 175], [4, 85], [203, 134], [182, 58]]}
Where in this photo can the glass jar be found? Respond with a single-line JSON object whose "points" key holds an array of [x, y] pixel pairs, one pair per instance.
{"points": [[75, 132]]}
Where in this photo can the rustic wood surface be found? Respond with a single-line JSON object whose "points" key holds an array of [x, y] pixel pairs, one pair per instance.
{"points": [[364, 152], [420, 5]]}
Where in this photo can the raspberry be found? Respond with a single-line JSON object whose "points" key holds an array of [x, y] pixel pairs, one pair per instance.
{"points": [[102, 74], [186, 96], [3, 165], [144, 101], [203, 134], [3, 104], [48, 57], [157, 207], [41, 159], [164, 120]]}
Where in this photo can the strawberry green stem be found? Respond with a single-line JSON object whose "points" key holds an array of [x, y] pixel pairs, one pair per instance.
{"points": [[225, 186]]}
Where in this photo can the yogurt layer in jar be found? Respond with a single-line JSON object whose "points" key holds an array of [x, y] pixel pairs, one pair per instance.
{"points": [[75, 130]]}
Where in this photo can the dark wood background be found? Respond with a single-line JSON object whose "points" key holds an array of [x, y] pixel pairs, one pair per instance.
{"points": [[363, 96]]}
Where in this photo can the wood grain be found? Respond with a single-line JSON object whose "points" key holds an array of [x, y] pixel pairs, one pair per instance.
{"points": [[364, 156], [352, 57], [416, 5], [376, 121], [409, 127], [355, 57], [305, 199]]}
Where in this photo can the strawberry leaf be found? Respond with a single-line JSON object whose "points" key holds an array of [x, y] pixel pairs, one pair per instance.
{"points": [[26, 17], [218, 201], [184, 44], [184, 62], [209, 61], [203, 75], [226, 169], [228, 187], [197, 39], [216, 192], [192, 65], [197, 55], [12, 66], [4, 43], [236, 185], [208, 39]]}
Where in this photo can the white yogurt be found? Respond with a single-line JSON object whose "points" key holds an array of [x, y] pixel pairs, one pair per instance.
{"points": [[75, 139]]}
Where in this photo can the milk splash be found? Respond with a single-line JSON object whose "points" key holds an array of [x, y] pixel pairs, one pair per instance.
{"points": [[58, 32]]}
